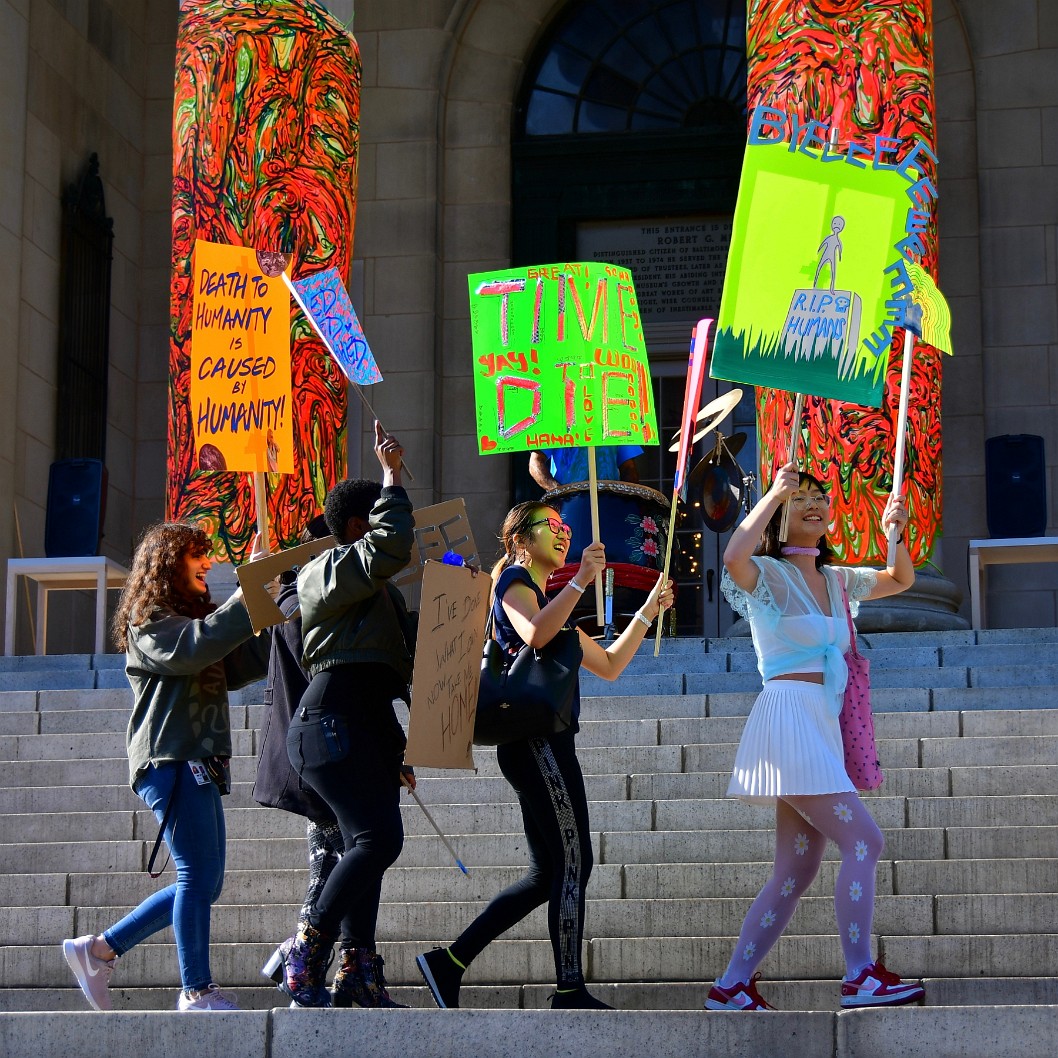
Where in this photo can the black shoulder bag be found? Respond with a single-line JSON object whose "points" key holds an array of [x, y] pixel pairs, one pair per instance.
{"points": [[529, 694]]}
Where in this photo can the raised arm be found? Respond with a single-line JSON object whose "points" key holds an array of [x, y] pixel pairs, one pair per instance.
{"points": [[744, 540], [901, 575], [611, 662], [537, 625]]}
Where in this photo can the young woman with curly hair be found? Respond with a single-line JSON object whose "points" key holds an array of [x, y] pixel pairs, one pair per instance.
{"points": [[183, 654]]}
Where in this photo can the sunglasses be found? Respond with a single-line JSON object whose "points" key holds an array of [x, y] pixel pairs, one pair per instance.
{"points": [[555, 525]]}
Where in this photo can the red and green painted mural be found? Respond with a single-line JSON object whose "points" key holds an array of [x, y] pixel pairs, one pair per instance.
{"points": [[265, 143], [865, 69]]}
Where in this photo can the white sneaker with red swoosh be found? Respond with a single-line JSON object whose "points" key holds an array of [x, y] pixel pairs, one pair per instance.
{"points": [[740, 996], [875, 986]]}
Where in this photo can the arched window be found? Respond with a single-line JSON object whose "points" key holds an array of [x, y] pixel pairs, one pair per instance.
{"points": [[627, 65]]}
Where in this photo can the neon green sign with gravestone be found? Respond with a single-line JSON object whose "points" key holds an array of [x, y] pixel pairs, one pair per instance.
{"points": [[559, 359], [815, 269]]}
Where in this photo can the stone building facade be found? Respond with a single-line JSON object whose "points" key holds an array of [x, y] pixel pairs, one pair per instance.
{"points": [[442, 79]]}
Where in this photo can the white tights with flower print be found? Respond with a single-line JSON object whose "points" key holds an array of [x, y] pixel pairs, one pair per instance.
{"points": [[802, 827]]}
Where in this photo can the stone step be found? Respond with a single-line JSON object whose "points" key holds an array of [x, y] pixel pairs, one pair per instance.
{"points": [[86, 721], [1041, 809], [819, 995], [609, 881], [977, 843], [989, 749], [707, 820], [952, 877], [911, 1032], [402, 883], [515, 962], [606, 918], [266, 823], [87, 747]]}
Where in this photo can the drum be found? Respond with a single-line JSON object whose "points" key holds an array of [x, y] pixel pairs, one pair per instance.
{"points": [[633, 524], [633, 520]]}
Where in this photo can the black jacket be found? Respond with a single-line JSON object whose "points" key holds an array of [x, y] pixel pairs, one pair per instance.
{"points": [[278, 785]]}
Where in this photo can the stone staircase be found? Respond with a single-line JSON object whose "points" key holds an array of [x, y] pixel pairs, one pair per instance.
{"points": [[968, 884]]}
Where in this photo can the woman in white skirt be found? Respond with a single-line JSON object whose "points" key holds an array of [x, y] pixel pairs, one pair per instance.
{"points": [[791, 753]]}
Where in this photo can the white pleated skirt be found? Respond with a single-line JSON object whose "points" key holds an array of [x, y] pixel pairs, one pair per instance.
{"points": [[791, 744]]}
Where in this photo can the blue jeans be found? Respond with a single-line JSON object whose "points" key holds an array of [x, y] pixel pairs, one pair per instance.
{"points": [[195, 836]]}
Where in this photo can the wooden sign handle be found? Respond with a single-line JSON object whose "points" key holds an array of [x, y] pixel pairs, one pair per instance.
{"points": [[795, 443]]}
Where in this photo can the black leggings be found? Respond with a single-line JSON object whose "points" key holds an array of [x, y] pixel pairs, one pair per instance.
{"points": [[345, 741], [546, 776]]}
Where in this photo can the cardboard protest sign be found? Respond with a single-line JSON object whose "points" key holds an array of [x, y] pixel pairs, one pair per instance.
{"points": [[440, 528], [818, 260], [241, 407], [559, 359], [444, 690], [324, 299], [253, 576]]}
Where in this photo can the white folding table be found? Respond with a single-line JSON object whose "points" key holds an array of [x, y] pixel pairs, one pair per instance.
{"points": [[984, 553], [96, 573]]}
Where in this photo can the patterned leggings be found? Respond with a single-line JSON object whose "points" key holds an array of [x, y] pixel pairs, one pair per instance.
{"points": [[547, 778], [325, 850], [802, 826]]}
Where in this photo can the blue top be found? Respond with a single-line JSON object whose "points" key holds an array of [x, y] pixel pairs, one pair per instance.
{"points": [[571, 464], [790, 632], [504, 631]]}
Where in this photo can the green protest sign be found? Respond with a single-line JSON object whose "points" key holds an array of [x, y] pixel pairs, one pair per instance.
{"points": [[559, 359], [817, 270]]}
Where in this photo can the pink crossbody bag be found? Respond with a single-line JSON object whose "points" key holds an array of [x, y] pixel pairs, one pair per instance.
{"points": [[855, 718]]}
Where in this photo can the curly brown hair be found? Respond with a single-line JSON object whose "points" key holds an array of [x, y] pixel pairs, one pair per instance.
{"points": [[155, 582]]}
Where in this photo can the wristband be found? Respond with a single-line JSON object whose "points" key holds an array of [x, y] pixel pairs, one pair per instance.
{"points": [[571, 583], [640, 616]]}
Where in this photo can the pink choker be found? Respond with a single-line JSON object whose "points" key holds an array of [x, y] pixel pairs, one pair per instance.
{"points": [[813, 551]]}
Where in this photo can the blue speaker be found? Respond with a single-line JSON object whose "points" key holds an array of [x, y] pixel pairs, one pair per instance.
{"points": [[1015, 486], [73, 524]]}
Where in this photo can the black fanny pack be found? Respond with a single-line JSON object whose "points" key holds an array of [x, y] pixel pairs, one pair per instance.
{"points": [[219, 769]]}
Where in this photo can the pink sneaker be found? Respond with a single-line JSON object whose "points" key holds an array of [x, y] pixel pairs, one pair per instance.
{"points": [[210, 998], [93, 975], [741, 996], [878, 987]]}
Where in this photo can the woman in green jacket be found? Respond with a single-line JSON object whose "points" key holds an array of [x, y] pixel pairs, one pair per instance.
{"points": [[183, 653]]}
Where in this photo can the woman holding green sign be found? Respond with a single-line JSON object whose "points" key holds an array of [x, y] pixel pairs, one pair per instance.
{"points": [[790, 753], [544, 772]]}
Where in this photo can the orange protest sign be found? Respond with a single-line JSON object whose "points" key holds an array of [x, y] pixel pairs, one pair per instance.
{"points": [[241, 406]]}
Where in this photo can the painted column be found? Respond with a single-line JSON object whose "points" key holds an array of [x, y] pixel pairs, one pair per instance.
{"points": [[265, 144], [865, 68]]}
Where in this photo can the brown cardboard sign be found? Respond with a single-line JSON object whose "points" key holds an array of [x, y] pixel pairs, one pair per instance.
{"points": [[444, 690], [439, 528], [253, 576]]}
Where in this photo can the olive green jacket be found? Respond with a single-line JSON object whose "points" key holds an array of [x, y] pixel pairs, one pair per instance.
{"points": [[347, 616], [181, 669]]}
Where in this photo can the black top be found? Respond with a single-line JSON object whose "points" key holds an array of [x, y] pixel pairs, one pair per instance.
{"points": [[504, 631]]}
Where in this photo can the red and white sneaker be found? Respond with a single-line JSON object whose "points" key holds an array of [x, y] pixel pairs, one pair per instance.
{"points": [[878, 987], [741, 996]]}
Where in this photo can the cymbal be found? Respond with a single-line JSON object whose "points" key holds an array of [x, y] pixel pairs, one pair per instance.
{"points": [[717, 457], [713, 414], [720, 501], [731, 445]]}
